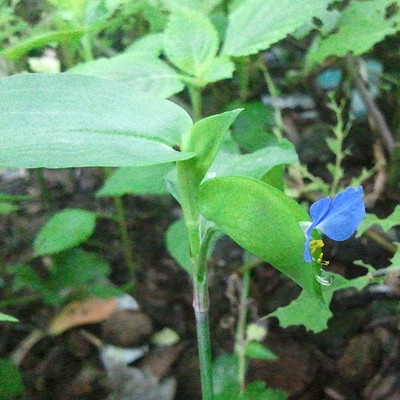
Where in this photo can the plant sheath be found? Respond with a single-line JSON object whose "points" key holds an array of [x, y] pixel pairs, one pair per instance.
{"points": [[198, 255]]}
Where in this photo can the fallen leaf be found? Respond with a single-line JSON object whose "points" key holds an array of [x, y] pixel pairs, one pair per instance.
{"points": [[83, 312]]}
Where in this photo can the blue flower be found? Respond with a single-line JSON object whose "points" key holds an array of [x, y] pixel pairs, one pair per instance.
{"points": [[338, 218]]}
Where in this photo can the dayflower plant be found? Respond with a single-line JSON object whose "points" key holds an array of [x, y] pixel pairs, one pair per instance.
{"points": [[338, 219]]}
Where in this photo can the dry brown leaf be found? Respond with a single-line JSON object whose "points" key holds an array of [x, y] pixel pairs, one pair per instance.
{"points": [[83, 312]]}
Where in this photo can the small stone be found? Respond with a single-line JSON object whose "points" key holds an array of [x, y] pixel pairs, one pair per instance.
{"points": [[127, 328]]}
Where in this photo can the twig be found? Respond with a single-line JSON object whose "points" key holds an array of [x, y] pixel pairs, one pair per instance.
{"points": [[381, 177], [279, 128], [376, 237], [374, 112], [25, 346]]}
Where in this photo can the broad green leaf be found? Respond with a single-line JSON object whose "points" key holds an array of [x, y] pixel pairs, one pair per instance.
{"points": [[176, 5], [360, 26], [263, 221], [205, 6], [7, 318], [385, 223], [324, 22], [178, 244], [66, 229], [306, 311], [190, 42], [205, 140], [274, 177], [78, 267], [136, 180], [219, 69], [67, 120], [104, 290], [75, 6], [10, 380], [258, 351], [257, 24], [149, 46], [154, 15], [7, 207], [258, 391], [254, 165], [149, 75], [253, 126]]}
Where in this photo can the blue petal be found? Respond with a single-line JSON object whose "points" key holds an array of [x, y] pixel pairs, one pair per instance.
{"points": [[319, 209], [343, 216], [307, 254], [317, 212]]}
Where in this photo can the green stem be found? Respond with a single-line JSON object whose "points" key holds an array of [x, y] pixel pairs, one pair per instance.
{"points": [[195, 99], [198, 255], [201, 308], [126, 243], [240, 340], [44, 191], [20, 300], [279, 128], [87, 47], [242, 68], [340, 131], [120, 217]]}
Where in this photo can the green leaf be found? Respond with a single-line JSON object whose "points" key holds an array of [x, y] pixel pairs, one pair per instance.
{"points": [[360, 26], [257, 24], [258, 391], [395, 260], [274, 177], [251, 127], [190, 41], [7, 207], [219, 69], [67, 120], [385, 223], [7, 318], [326, 22], [10, 380], [67, 36], [258, 351], [177, 243], [225, 375], [66, 229], [25, 277], [262, 220], [136, 180], [333, 144], [14, 197], [205, 6], [149, 46], [149, 75], [254, 165], [78, 267], [205, 140], [306, 311], [105, 290], [75, 6]]}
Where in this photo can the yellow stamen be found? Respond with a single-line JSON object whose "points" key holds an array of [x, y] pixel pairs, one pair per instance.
{"points": [[321, 261], [315, 245]]}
